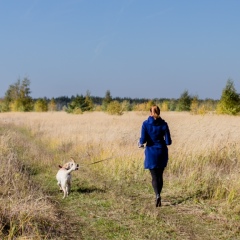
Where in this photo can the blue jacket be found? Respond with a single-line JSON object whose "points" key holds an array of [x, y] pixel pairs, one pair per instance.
{"points": [[157, 136]]}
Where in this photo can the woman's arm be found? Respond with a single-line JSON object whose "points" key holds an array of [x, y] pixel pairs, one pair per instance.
{"points": [[143, 138], [167, 136]]}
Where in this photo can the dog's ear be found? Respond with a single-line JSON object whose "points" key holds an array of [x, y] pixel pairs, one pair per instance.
{"points": [[72, 159], [59, 166], [66, 165]]}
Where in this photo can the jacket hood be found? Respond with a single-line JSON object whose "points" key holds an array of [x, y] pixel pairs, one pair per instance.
{"points": [[155, 122]]}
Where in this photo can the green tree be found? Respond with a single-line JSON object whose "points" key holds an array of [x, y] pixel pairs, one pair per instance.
{"points": [[3, 106], [17, 97], [41, 105], [184, 102], [76, 105], [80, 104], [230, 100], [106, 100], [88, 102]]}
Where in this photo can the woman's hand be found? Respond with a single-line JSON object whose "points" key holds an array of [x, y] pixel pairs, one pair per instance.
{"points": [[140, 145]]}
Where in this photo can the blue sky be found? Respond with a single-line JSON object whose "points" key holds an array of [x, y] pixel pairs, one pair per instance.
{"points": [[134, 48]]}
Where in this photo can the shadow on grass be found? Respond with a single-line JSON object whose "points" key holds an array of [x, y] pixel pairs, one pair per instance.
{"points": [[87, 190]]}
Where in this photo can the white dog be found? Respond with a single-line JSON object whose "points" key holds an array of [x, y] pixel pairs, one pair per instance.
{"points": [[64, 176]]}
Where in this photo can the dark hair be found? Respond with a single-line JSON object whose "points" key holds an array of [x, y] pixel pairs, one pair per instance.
{"points": [[155, 110]]}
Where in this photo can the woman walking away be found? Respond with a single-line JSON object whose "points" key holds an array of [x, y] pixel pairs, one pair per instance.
{"points": [[155, 133]]}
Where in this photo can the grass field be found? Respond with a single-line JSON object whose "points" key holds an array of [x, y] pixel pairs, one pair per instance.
{"points": [[113, 199]]}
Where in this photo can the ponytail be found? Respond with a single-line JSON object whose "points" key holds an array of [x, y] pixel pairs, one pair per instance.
{"points": [[155, 111]]}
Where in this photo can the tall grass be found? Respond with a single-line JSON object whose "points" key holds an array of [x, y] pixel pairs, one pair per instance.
{"points": [[204, 156], [24, 209]]}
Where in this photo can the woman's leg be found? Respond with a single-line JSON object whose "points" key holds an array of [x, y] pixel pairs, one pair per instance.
{"points": [[157, 179], [157, 183], [160, 179]]}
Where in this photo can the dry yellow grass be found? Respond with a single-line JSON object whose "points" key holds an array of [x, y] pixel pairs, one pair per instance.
{"points": [[203, 165], [192, 133], [205, 149], [24, 209]]}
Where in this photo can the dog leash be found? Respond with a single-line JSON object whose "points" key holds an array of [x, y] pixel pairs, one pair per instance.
{"points": [[83, 165], [100, 161]]}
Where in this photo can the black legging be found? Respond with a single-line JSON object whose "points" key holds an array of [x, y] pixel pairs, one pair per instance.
{"points": [[157, 179]]}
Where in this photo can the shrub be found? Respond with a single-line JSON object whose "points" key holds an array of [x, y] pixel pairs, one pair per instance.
{"points": [[164, 106], [230, 100], [194, 105], [52, 106], [126, 106], [77, 111], [41, 105], [114, 108], [140, 107]]}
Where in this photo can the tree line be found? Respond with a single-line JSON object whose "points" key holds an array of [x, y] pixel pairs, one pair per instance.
{"points": [[17, 98]]}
